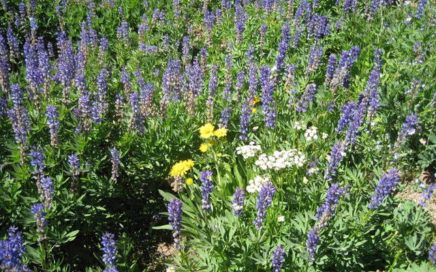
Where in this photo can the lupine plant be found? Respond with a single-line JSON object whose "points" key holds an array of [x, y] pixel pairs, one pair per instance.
{"points": [[248, 135]]}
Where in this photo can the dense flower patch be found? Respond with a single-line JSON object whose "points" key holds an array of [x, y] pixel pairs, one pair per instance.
{"points": [[246, 135]]}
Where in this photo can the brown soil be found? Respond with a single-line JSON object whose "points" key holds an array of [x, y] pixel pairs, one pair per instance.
{"points": [[410, 194]]}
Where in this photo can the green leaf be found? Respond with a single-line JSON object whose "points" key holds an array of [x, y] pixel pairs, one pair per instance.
{"points": [[164, 227]]}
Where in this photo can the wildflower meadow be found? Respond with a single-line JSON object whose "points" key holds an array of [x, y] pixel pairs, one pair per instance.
{"points": [[218, 135]]}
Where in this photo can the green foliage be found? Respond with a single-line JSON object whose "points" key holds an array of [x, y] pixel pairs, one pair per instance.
{"points": [[395, 237]]}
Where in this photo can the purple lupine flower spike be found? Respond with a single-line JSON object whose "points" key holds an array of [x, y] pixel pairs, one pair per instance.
{"points": [[119, 104], [203, 59], [44, 65], [225, 116], [33, 72], [14, 47], [268, 104], [194, 85], [409, 127], [312, 242], [20, 119], [314, 59], [263, 29], [11, 251], [84, 109], [227, 111], [327, 209], [66, 64], [378, 58], [209, 20], [297, 36], [432, 254], [331, 66], [283, 47], [186, 48], [175, 218], [47, 187], [102, 91], [357, 121], [323, 214], [37, 161], [278, 259], [171, 82], [427, 195], [213, 84], [74, 163], [206, 188], [348, 4], [245, 120], [240, 18], [263, 202], [38, 213], [238, 201], [387, 183], [307, 98], [375, 4], [348, 58], [347, 113], [336, 155], [53, 124], [374, 95], [136, 121], [109, 252], [420, 9], [123, 32]]}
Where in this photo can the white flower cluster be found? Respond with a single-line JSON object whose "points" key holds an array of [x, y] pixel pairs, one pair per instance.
{"points": [[281, 159], [237, 207], [299, 125], [311, 134], [312, 170], [248, 151], [255, 184]]}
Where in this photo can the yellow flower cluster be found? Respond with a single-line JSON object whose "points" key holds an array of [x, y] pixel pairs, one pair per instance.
{"points": [[208, 130], [189, 181], [181, 168], [221, 132], [205, 146]]}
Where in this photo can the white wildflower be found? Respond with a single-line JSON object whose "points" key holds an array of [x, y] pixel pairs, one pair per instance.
{"points": [[281, 159], [255, 184], [311, 134], [299, 125], [248, 151]]}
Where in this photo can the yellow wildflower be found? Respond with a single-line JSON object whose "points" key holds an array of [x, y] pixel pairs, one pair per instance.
{"points": [[253, 110], [181, 168], [206, 131], [203, 147], [189, 181], [221, 132], [211, 143], [219, 155]]}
